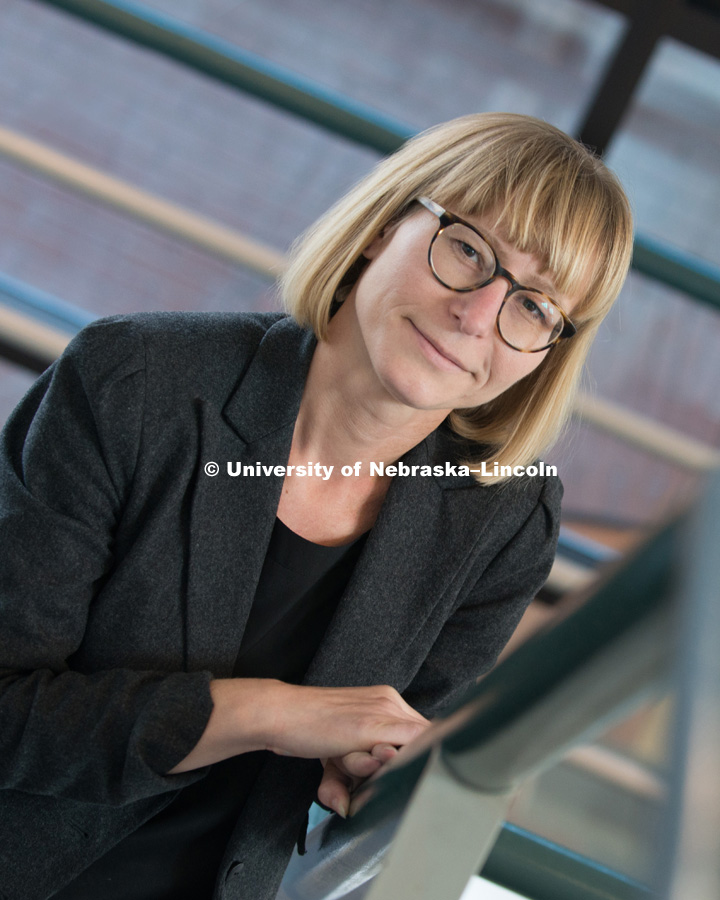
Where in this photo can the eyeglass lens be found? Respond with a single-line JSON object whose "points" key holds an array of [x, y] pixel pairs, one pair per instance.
{"points": [[462, 260]]}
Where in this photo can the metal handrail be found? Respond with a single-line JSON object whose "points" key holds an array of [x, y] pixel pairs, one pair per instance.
{"points": [[25, 340], [586, 669], [198, 230], [676, 268], [653, 437], [226, 62], [535, 867], [45, 308], [240, 69], [35, 327]]}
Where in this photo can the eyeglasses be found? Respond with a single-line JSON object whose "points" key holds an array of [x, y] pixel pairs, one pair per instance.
{"points": [[461, 259]]}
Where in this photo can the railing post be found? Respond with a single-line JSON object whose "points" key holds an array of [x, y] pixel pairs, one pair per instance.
{"points": [[689, 866], [445, 837]]}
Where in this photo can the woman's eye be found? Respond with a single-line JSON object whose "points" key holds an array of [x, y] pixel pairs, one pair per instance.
{"points": [[468, 251], [532, 308]]}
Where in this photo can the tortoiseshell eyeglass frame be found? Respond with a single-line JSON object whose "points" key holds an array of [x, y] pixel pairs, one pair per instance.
{"points": [[445, 219]]}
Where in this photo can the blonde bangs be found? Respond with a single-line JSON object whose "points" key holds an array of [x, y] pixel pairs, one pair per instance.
{"points": [[568, 211]]}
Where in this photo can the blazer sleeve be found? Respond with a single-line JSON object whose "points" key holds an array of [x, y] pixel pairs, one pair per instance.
{"points": [[490, 608], [67, 457]]}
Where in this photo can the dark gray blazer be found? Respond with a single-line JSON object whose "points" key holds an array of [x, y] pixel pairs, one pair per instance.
{"points": [[127, 576]]}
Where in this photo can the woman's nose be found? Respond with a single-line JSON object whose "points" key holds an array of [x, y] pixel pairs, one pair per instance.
{"points": [[477, 311]]}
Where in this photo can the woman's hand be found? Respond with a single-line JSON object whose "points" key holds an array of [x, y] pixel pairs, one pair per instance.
{"points": [[343, 775], [311, 722], [323, 723]]}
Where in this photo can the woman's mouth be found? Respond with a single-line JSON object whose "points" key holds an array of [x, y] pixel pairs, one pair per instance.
{"points": [[436, 354]]}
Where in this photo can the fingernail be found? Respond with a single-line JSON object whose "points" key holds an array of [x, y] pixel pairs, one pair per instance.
{"points": [[342, 810]]}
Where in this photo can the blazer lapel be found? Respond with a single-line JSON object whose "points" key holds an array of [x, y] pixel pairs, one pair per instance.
{"points": [[232, 516], [424, 541]]}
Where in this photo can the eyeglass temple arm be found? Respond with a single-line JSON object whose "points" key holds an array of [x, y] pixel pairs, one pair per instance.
{"points": [[432, 206], [569, 330]]}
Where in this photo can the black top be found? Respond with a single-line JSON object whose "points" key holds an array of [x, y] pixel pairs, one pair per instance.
{"points": [[176, 854]]}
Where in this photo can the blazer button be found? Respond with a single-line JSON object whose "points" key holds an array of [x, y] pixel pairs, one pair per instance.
{"points": [[231, 877], [235, 869]]}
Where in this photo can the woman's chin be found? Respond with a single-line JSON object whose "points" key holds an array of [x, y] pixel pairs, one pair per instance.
{"points": [[417, 395]]}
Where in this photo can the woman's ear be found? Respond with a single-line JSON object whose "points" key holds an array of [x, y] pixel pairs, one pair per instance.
{"points": [[376, 245], [380, 242]]}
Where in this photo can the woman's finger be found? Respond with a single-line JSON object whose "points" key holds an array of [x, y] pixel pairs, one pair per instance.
{"points": [[359, 764], [384, 752], [334, 790]]}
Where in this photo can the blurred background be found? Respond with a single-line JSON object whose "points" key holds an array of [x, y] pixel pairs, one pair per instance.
{"points": [[131, 181]]}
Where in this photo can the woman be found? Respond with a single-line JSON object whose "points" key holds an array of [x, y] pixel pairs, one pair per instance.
{"points": [[210, 582]]}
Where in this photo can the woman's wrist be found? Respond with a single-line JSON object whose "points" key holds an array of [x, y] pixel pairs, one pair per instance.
{"points": [[244, 718]]}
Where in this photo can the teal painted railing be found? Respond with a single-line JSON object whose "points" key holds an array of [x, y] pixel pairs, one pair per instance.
{"points": [[333, 111], [240, 69], [534, 867]]}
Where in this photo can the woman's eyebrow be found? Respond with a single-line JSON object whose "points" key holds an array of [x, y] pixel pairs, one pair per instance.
{"points": [[539, 282], [544, 285]]}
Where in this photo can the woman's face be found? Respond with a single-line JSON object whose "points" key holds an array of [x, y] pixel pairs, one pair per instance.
{"points": [[430, 347]]}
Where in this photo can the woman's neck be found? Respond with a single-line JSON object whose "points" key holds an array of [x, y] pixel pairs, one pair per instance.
{"points": [[346, 415]]}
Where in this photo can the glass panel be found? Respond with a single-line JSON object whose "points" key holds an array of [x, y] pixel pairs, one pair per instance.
{"points": [[656, 354], [668, 154], [428, 62], [605, 801], [167, 130]]}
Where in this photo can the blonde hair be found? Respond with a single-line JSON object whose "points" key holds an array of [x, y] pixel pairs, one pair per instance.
{"points": [[550, 196]]}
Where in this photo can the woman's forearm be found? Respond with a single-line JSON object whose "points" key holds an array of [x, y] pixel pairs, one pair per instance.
{"points": [[295, 720]]}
